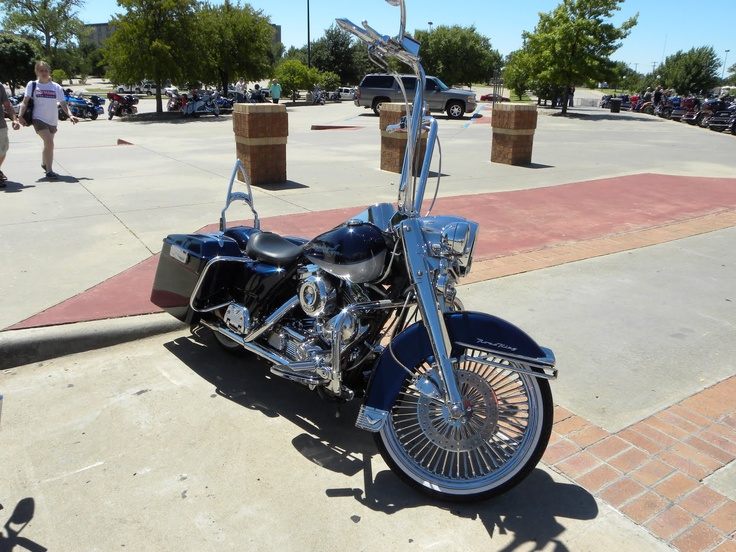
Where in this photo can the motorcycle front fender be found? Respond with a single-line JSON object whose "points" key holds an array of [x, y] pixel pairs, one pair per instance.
{"points": [[477, 330]]}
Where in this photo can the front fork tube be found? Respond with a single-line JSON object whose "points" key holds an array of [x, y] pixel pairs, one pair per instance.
{"points": [[432, 314]]}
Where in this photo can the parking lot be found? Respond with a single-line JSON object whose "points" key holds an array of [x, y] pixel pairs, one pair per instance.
{"points": [[163, 443]]}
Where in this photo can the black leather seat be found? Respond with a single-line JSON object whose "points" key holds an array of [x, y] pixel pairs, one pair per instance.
{"points": [[273, 249]]}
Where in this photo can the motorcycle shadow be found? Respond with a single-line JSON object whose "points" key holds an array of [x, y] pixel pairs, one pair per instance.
{"points": [[530, 511], [329, 439]]}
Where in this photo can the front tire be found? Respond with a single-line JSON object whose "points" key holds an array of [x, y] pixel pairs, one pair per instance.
{"points": [[491, 449], [455, 110], [378, 105]]}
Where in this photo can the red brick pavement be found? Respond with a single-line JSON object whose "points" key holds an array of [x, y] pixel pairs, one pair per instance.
{"points": [[653, 470]]}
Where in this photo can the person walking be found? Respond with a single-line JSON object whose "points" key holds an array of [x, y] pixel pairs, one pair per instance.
{"points": [[275, 90], [240, 91], [4, 140], [45, 93]]}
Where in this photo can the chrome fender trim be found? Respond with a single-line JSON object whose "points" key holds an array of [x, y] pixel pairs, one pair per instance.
{"points": [[485, 332]]}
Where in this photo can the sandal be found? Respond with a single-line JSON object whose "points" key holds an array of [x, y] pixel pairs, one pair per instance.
{"points": [[3, 178]]}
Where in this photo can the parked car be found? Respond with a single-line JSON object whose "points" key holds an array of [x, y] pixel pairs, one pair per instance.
{"points": [[376, 89], [347, 92], [129, 88], [493, 97]]}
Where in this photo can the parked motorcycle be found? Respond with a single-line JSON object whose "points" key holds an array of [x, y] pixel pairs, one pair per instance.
{"points": [[723, 119], [318, 96], [687, 109], [175, 101], [198, 104], [256, 95], [82, 107], [666, 107], [121, 105], [702, 116], [458, 401], [225, 105]]}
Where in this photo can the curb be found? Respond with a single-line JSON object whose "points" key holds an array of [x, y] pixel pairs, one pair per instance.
{"points": [[20, 347]]}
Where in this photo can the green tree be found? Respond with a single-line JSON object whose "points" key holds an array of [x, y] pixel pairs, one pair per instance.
{"points": [[237, 42], [53, 22], [333, 52], [156, 40], [693, 72], [18, 55], [329, 80], [573, 43], [458, 55], [517, 74], [293, 75], [731, 75], [298, 54]]}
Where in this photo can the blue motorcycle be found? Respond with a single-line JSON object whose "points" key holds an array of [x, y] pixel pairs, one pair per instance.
{"points": [[83, 108]]}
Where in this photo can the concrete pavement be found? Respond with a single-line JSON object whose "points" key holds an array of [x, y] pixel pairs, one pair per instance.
{"points": [[633, 292]]}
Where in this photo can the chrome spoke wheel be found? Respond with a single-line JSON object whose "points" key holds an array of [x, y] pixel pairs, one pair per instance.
{"points": [[491, 448]]}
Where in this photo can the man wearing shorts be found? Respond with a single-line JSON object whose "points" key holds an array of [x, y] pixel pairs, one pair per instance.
{"points": [[4, 140]]}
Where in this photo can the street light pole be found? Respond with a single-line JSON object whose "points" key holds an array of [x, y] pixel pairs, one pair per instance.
{"points": [[723, 72], [309, 41]]}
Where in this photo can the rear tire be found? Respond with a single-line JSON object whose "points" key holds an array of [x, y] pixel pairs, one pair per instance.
{"points": [[228, 345], [493, 448]]}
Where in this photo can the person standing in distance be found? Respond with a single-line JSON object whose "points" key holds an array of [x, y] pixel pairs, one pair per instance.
{"points": [[45, 113], [275, 90], [4, 140]]}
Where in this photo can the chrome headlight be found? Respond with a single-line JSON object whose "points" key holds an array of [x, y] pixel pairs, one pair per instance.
{"points": [[459, 238], [451, 238]]}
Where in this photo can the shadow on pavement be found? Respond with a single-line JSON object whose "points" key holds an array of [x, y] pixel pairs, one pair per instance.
{"points": [[22, 516], [13, 187], [288, 185], [330, 440]]}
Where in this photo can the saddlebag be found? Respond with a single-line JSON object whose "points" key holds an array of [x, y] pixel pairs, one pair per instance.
{"points": [[182, 260]]}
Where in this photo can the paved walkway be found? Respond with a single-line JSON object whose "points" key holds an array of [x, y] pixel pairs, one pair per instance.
{"points": [[520, 231], [652, 471]]}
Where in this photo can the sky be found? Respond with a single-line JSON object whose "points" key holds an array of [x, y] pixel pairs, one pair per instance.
{"points": [[663, 28]]}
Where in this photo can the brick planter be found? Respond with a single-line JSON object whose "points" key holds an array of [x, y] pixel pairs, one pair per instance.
{"points": [[513, 133], [393, 145], [260, 141]]}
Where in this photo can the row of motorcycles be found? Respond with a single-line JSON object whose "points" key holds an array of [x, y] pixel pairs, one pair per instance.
{"points": [[198, 103], [81, 106], [717, 114]]}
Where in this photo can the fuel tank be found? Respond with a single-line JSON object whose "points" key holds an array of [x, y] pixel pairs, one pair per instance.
{"points": [[355, 251]]}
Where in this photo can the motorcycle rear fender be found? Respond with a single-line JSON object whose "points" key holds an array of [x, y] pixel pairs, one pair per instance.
{"points": [[478, 330]]}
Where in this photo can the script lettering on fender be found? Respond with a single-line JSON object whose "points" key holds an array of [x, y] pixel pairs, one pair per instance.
{"points": [[490, 345]]}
